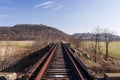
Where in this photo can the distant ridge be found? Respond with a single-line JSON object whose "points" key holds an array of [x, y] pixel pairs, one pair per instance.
{"points": [[35, 31], [30, 32], [90, 36]]}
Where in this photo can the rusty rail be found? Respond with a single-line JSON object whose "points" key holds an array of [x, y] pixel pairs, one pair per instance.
{"points": [[36, 67], [73, 63], [39, 76], [66, 67], [82, 69]]}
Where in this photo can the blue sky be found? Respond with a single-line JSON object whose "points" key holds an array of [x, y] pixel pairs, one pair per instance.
{"points": [[70, 16]]}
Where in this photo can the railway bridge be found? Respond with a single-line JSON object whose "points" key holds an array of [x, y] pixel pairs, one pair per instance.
{"points": [[59, 64]]}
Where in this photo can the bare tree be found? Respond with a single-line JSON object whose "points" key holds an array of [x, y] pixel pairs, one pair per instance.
{"points": [[99, 39], [108, 37], [97, 42], [81, 41]]}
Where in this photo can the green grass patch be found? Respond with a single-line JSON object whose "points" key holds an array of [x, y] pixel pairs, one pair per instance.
{"points": [[114, 48]]}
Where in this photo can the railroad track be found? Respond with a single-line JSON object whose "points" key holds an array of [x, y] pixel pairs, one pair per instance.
{"points": [[60, 64]]}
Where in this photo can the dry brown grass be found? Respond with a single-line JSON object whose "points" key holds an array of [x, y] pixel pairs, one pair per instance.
{"points": [[11, 51], [99, 67], [11, 48]]}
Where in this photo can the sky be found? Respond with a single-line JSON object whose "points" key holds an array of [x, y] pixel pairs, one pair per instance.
{"points": [[70, 16]]}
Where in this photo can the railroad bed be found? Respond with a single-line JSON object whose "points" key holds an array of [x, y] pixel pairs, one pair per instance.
{"points": [[61, 65]]}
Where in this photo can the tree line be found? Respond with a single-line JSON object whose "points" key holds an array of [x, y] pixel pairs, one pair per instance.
{"points": [[108, 37], [99, 35]]}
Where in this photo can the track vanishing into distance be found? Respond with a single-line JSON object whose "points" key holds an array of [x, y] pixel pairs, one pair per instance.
{"points": [[59, 64]]}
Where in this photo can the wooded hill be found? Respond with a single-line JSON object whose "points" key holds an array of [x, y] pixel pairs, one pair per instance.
{"points": [[31, 32], [35, 32]]}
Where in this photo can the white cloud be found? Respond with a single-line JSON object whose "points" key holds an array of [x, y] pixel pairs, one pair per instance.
{"points": [[45, 4], [52, 5]]}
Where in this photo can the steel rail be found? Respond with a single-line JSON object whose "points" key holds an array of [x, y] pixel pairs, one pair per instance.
{"points": [[79, 70], [32, 70], [80, 65], [41, 72], [75, 66]]}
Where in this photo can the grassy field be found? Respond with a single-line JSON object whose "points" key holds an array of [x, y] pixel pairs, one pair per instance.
{"points": [[113, 48], [18, 44], [13, 51], [14, 47]]}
